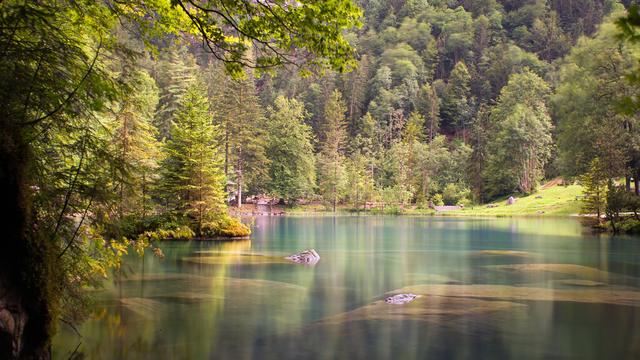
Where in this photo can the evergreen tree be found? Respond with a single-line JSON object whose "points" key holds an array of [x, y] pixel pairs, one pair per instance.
{"points": [[289, 148], [135, 142], [479, 138], [357, 91], [331, 157], [360, 186], [457, 105], [237, 110], [193, 178], [175, 73], [595, 189], [429, 107]]}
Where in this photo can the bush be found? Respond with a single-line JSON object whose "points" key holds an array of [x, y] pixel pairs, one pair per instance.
{"points": [[629, 226], [225, 227], [131, 226], [454, 194], [437, 200]]}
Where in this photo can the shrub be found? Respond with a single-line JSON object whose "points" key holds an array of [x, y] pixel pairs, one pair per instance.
{"points": [[225, 227], [454, 194], [437, 200]]}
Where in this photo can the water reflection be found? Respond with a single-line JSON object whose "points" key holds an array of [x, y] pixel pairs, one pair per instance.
{"points": [[492, 288]]}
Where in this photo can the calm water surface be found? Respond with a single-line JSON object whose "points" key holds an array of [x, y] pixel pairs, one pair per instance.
{"points": [[490, 288]]}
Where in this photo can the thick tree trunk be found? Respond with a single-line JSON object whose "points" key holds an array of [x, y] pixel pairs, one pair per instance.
{"points": [[25, 317], [627, 180]]}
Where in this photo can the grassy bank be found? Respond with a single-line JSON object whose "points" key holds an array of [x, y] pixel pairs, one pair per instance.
{"points": [[554, 201]]}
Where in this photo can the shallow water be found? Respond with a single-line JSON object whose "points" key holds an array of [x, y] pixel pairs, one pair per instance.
{"points": [[490, 288]]}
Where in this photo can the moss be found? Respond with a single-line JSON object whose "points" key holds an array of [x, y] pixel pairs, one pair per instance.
{"points": [[225, 227]]}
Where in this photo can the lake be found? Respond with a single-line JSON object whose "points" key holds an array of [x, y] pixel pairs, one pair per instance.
{"points": [[528, 288]]}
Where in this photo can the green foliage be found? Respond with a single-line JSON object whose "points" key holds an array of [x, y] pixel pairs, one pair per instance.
{"points": [[499, 62], [587, 103], [457, 103], [453, 194], [595, 189], [616, 204], [520, 143], [193, 178], [292, 168], [176, 72], [437, 200], [237, 110], [331, 169], [225, 227], [448, 95], [135, 146]]}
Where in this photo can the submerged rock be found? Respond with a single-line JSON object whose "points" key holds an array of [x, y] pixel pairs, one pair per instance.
{"points": [[505, 253], [420, 278], [234, 258], [307, 257], [401, 299], [554, 270], [425, 307], [579, 282]]}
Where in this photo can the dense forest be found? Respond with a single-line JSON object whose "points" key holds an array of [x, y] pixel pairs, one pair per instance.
{"points": [[121, 125]]}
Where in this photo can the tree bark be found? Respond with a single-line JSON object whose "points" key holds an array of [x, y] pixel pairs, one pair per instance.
{"points": [[25, 262], [627, 180], [239, 195]]}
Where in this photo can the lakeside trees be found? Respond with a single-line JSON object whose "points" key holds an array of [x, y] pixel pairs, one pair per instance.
{"points": [[292, 168], [449, 99], [192, 175], [519, 144], [58, 170], [331, 161]]}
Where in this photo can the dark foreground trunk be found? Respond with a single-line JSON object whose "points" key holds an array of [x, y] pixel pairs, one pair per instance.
{"points": [[25, 317]]}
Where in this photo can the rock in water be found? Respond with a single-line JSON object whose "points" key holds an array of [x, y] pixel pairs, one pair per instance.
{"points": [[307, 257], [401, 299]]}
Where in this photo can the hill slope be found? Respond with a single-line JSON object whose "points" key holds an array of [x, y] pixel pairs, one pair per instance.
{"points": [[555, 200]]}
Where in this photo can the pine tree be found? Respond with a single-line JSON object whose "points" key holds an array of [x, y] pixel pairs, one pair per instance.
{"points": [[357, 85], [595, 189], [237, 110], [457, 107], [135, 142], [175, 74], [331, 158], [193, 177], [289, 148], [429, 107]]}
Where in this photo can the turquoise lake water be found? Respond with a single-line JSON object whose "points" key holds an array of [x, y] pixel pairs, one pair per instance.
{"points": [[529, 288]]}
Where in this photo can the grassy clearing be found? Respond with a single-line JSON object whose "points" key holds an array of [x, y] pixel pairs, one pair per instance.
{"points": [[554, 201]]}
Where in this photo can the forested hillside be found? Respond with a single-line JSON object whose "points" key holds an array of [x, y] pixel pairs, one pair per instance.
{"points": [[451, 102]]}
